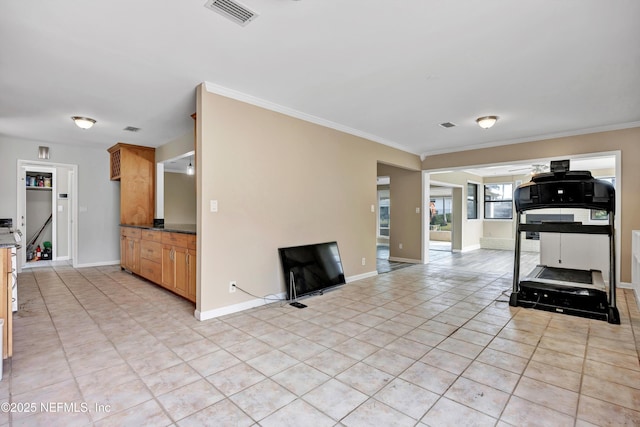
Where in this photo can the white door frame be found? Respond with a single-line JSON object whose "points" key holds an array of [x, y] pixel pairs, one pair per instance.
{"points": [[47, 167]]}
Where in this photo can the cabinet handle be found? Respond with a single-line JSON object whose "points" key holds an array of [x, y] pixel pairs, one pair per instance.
{"points": [[188, 258]]}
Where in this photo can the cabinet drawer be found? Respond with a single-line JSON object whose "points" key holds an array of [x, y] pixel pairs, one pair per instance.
{"points": [[151, 251], [175, 239], [130, 232], [151, 270], [155, 236]]}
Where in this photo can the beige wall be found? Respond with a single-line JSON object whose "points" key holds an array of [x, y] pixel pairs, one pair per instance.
{"points": [[179, 198], [279, 181], [627, 141], [175, 148], [405, 190]]}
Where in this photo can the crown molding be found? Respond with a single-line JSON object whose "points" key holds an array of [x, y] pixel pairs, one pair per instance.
{"points": [[268, 105], [542, 137]]}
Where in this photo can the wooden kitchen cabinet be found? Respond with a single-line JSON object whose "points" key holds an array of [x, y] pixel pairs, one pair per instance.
{"points": [[162, 257], [135, 167], [191, 277], [6, 311], [130, 249], [178, 264], [151, 255]]}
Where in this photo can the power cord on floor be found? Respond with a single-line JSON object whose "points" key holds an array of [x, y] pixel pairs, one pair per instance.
{"points": [[504, 293], [264, 298]]}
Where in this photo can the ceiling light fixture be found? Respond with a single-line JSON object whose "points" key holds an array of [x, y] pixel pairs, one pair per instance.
{"points": [[83, 122], [190, 169], [487, 121]]}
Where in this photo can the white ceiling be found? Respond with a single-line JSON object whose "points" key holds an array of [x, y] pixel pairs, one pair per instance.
{"points": [[391, 71]]}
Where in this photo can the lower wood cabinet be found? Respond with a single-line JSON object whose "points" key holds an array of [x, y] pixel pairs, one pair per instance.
{"points": [[151, 255], [6, 313], [165, 258], [178, 264], [130, 249]]}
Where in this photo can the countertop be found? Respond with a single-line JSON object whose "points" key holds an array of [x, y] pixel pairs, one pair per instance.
{"points": [[173, 228], [8, 240]]}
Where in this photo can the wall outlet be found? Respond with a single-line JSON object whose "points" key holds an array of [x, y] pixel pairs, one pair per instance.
{"points": [[364, 261], [232, 287], [400, 245]]}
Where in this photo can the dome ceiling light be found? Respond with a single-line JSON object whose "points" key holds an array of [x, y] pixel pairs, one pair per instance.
{"points": [[487, 121], [83, 122]]}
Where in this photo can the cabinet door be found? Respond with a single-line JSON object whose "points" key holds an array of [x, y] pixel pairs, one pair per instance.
{"points": [[132, 254], [123, 252], [191, 280], [168, 267], [182, 271]]}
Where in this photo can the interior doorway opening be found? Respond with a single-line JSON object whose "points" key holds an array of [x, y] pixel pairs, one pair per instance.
{"points": [[440, 218], [46, 209]]}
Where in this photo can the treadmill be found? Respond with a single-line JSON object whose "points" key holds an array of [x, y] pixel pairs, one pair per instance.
{"points": [[563, 290]]}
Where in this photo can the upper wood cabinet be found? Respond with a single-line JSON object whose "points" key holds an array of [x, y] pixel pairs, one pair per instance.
{"points": [[134, 167]]}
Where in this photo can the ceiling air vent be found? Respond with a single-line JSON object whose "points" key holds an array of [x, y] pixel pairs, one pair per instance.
{"points": [[447, 125], [131, 129], [233, 10]]}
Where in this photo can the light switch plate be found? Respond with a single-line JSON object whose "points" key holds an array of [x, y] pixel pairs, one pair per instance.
{"points": [[213, 205]]}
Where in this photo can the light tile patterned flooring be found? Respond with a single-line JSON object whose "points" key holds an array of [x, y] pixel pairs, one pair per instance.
{"points": [[428, 345]]}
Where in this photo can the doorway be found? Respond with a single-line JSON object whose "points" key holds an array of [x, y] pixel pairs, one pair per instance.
{"points": [[440, 218], [46, 211]]}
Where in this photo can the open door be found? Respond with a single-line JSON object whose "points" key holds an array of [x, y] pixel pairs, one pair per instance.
{"points": [[45, 212]]}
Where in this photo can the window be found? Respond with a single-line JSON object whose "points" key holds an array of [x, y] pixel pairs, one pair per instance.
{"points": [[384, 205], [498, 201], [472, 201], [440, 215]]}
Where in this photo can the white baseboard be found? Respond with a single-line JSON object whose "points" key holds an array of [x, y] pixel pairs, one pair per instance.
{"points": [[235, 308], [470, 248], [97, 264], [636, 290], [625, 285], [361, 276], [409, 260]]}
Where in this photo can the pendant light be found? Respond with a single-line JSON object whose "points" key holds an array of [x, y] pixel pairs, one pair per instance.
{"points": [[190, 169]]}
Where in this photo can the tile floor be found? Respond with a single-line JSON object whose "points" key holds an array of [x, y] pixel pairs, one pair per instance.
{"points": [[427, 345]]}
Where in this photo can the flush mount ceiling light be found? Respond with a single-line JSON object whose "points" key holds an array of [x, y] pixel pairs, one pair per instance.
{"points": [[487, 121], [83, 122]]}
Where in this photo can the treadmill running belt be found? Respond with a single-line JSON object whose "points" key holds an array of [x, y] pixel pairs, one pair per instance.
{"points": [[566, 275]]}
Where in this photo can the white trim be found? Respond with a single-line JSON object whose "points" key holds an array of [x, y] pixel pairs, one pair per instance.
{"points": [[625, 285], [235, 308], [470, 248], [409, 260], [263, 103], [634, 287], [97, 264], [532, 139], [361, 276]]}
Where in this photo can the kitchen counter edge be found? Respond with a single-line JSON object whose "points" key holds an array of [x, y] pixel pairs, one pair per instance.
{"points": [[170, 228]]}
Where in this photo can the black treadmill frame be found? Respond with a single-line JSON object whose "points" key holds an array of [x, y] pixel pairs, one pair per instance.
{"points": [[563, 299]]}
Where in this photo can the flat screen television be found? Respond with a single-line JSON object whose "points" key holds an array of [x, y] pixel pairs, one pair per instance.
{"points": [[310, 269]]}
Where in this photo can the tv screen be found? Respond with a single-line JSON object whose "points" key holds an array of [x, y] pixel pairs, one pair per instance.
{"points": [[312, 268]]}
